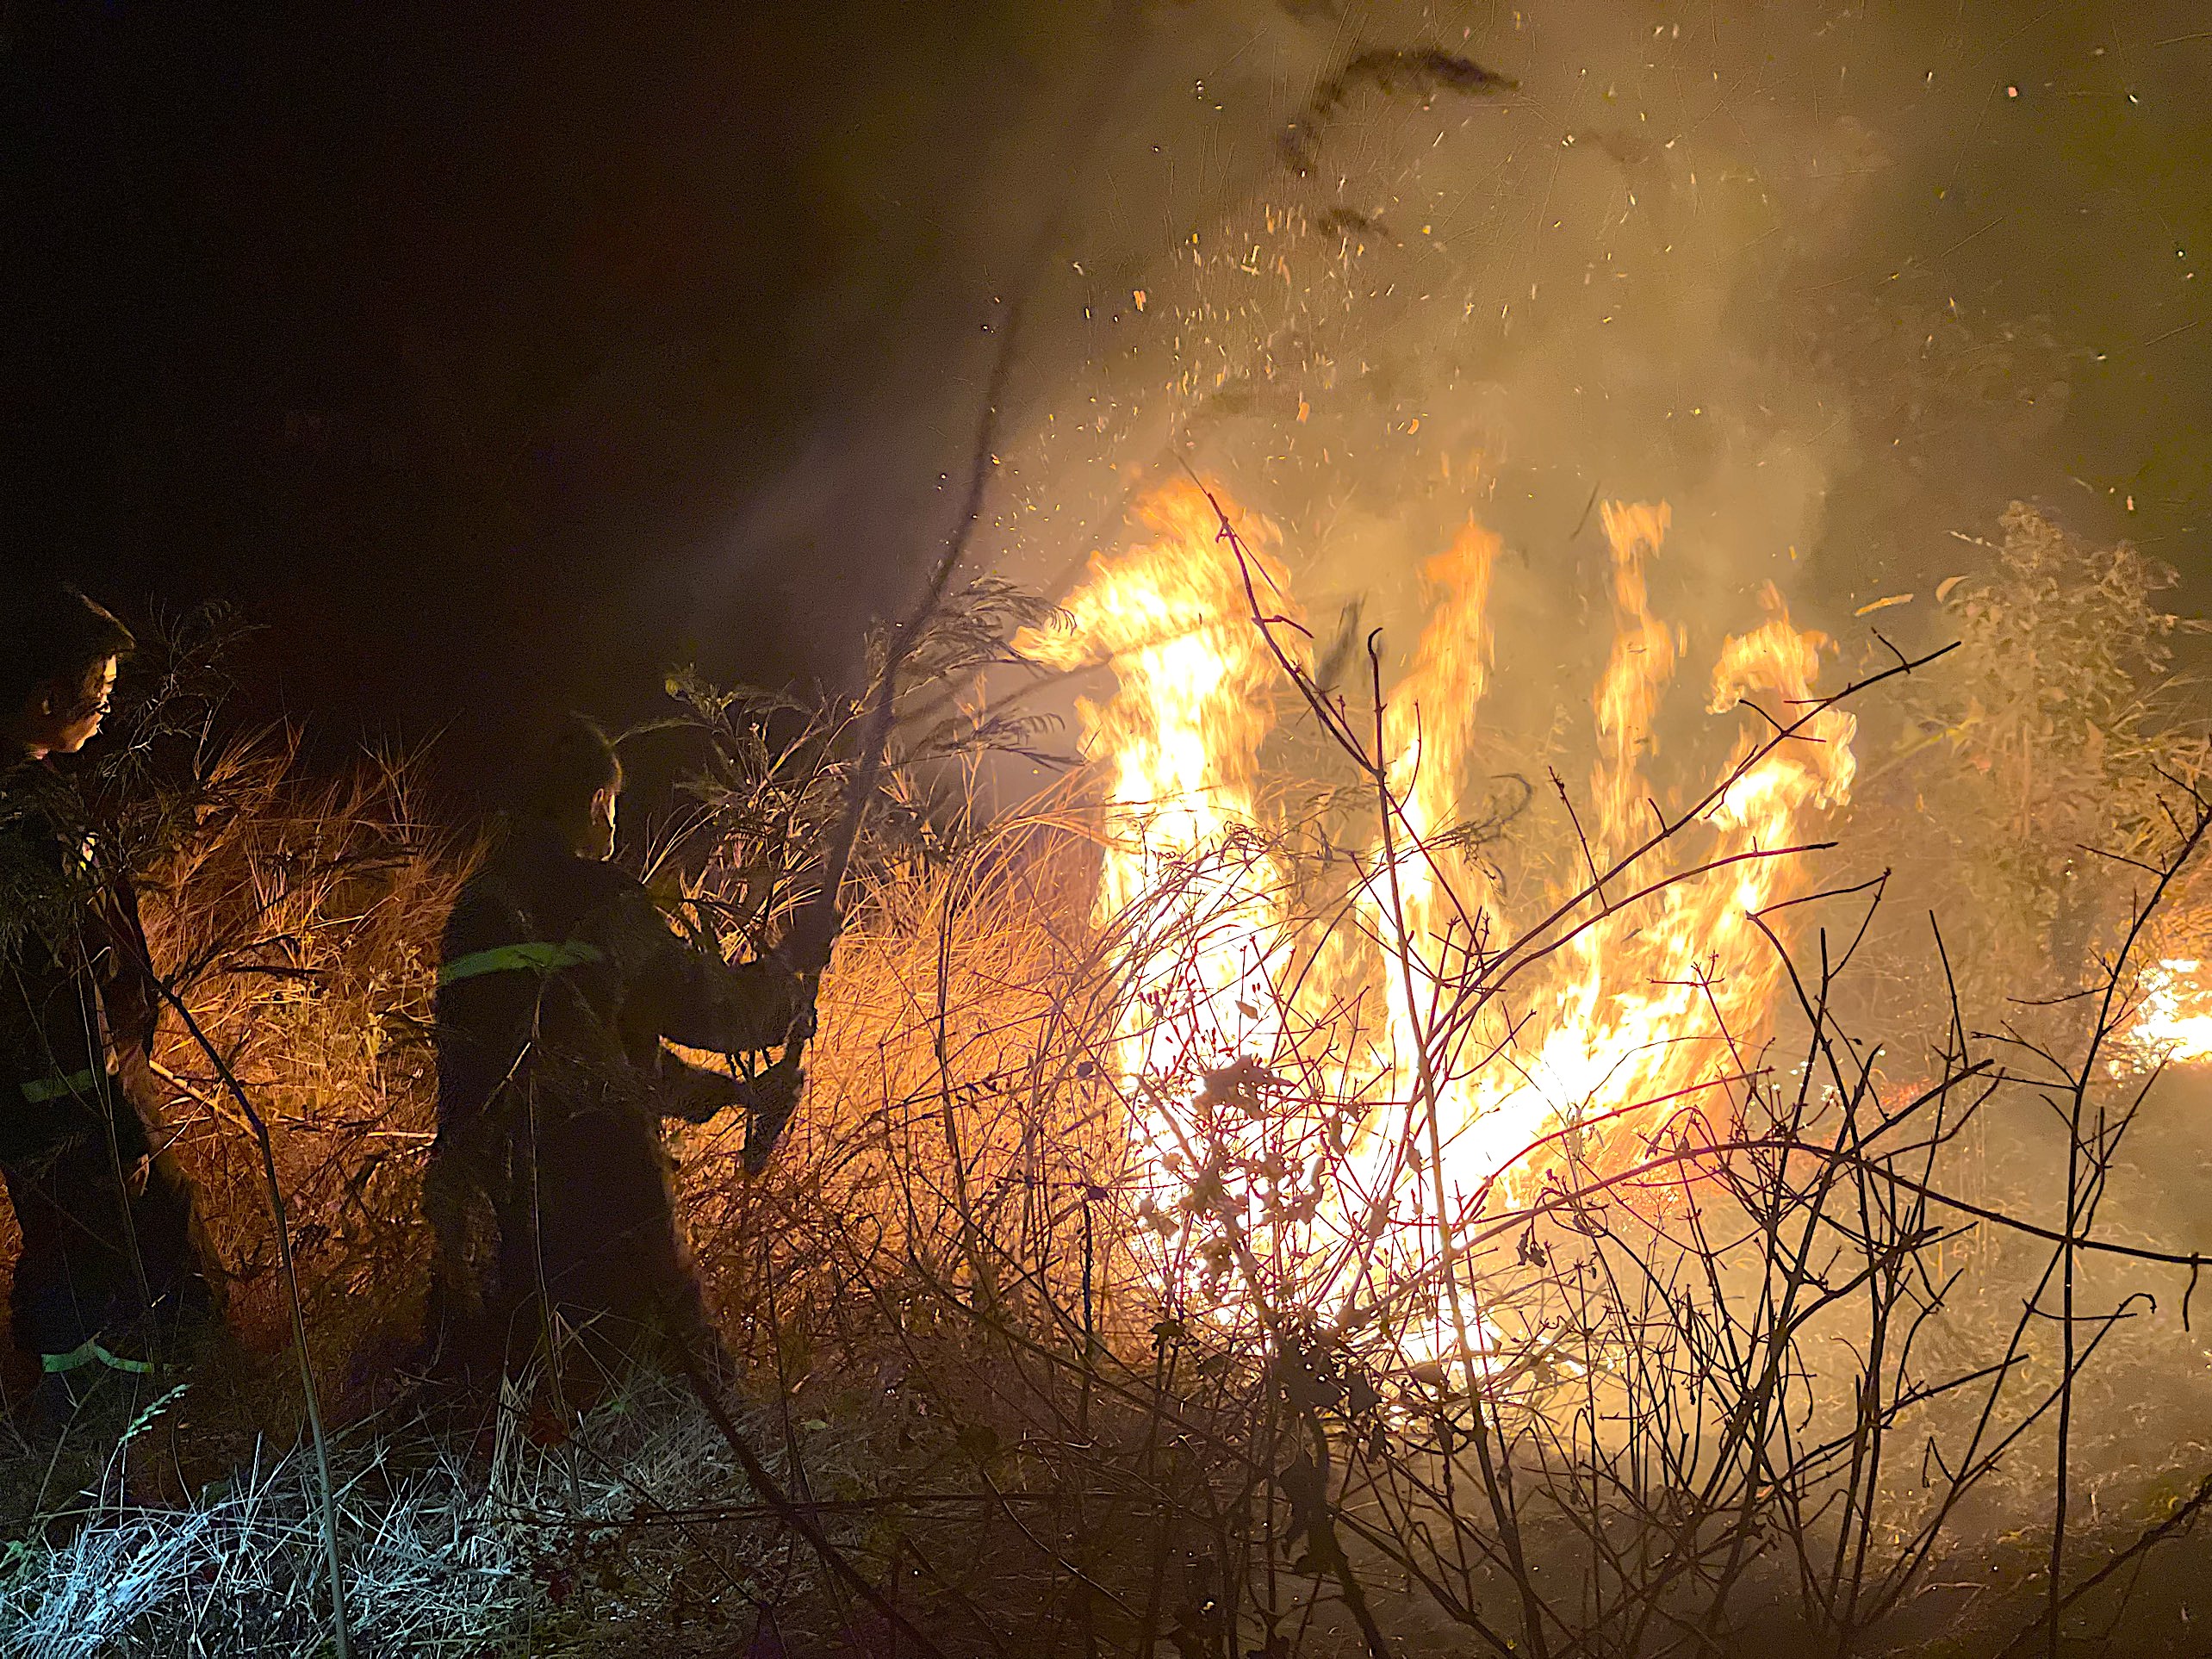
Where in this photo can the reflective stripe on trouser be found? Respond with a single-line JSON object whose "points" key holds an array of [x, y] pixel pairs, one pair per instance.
{"points": [[88, 1352]]}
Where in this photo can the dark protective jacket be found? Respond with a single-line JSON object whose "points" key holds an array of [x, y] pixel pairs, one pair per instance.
{"points": [[113, 1266], [560, 978]]}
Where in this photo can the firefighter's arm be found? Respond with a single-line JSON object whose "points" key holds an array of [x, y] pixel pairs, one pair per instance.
{"points": [[125, 968], [698, 1096], [734, 1007], [695, 1093], [687, 993]]}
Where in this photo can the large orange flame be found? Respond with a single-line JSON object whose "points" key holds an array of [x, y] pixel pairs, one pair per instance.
{"points": [[2173, 1019], [1179, 743], [1650, 999]]}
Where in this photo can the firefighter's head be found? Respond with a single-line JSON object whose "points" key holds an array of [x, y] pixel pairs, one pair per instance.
{"points": [[57, 656], [574, 785]]}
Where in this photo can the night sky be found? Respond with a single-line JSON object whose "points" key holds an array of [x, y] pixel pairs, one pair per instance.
{"points": [[451, 347], [441, 346]]}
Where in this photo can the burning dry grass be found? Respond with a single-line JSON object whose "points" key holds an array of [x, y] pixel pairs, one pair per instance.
{"points": [[1782, 1357]]}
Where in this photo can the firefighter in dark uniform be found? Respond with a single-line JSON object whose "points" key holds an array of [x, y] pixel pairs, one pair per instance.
{"points": [[549, 1187], [115, 1272]]}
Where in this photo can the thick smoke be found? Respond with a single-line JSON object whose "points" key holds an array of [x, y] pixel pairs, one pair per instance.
{"points": [[1801, 269], [1835, 282]]}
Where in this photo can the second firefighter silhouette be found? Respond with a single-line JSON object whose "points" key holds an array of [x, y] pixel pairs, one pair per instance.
{"points": [[549, 1187]]}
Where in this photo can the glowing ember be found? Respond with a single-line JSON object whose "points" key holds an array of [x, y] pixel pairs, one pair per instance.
{"points": [[1281, 1071]]}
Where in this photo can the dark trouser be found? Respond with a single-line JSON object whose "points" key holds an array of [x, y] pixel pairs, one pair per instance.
{"points": [[596, 1233], [115, 1261]]}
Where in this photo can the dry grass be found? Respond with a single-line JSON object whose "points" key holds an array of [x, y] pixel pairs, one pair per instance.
{"points": [[1744, 1397], [301, 922], [583, 1546]]}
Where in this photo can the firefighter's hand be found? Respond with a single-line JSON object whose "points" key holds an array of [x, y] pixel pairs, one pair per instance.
{"points": [[699, 1095], [775, 1097], [775, 1092]]}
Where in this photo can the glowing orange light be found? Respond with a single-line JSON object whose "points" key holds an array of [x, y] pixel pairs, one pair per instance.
{"points": [[1645, 1003]]}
